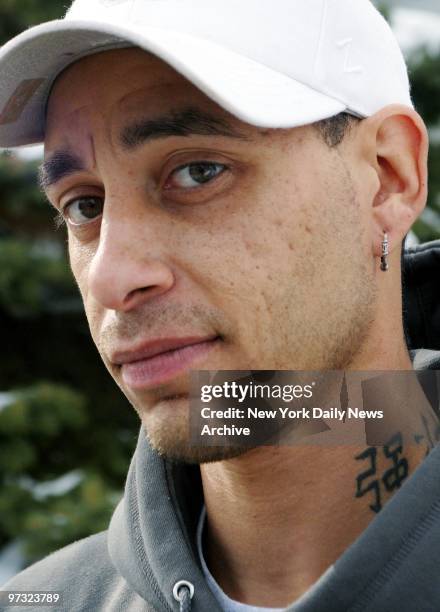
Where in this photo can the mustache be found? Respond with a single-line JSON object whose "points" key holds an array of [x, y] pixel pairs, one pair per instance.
{"points": [[156, 321]]}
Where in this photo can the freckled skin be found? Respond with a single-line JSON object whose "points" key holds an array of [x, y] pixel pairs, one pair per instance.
{"points": [[261, 261]]}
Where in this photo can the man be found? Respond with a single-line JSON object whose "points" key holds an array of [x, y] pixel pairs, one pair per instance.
{"points": [[237, 180]]}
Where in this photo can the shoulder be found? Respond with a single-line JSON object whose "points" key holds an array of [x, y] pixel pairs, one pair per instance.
{"points": [[84, 576], [78, 558]]}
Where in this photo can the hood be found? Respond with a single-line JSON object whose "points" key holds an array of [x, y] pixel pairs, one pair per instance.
{"points": [[421, 296], [152, 534]]}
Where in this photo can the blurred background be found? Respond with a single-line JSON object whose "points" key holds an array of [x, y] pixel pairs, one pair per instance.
{"points": [[66, 431]]}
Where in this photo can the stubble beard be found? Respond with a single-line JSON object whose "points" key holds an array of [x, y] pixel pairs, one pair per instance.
{"points": [[332, 342], [167, 428], [171, 439]]}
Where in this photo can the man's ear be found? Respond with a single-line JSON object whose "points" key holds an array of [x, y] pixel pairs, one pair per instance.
{"points": [[398, 150]]}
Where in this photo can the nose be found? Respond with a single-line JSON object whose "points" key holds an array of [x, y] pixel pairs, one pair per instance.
{"points": [[128, 268]]}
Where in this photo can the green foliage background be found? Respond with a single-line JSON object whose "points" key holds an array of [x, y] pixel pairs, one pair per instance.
{"points": [[60, 412]]}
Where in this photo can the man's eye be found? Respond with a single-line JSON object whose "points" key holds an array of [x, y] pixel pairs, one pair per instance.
{"points": [[194, 175], [83, 210]]}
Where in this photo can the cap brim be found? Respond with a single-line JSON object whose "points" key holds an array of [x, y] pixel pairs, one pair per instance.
{"points": [[257, 95]]}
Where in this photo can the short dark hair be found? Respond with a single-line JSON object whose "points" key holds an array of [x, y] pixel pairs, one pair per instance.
{"points": [[334, 129]]}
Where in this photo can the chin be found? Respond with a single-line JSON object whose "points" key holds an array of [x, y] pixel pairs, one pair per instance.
{"points": [[198, 455], [167, 427]]}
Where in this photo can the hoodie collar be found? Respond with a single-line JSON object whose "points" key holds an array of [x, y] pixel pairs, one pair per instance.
{"points": [[152, 534]]}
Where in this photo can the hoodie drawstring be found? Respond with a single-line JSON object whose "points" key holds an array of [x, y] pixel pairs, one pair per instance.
{"points": [[183, 592]]}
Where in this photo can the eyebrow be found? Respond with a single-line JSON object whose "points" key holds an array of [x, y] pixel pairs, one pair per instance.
{"points": [[186, 122], [59, 165]]}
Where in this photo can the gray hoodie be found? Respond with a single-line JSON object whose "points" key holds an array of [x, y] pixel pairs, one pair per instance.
{"points": [[151, 545]]}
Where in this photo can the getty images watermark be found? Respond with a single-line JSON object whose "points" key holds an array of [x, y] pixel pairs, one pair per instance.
{"points": [[251, 408]]}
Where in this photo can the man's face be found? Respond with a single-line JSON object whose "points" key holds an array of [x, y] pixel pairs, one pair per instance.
{"points": [[250, 245]]}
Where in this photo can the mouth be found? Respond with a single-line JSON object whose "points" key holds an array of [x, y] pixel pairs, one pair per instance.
{"points": [[160, 361]]}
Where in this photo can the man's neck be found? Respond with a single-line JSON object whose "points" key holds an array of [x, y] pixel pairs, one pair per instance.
{"points": [[278, 517]]}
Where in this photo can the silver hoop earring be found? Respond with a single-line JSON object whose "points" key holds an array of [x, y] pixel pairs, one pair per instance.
{"points": [[385, 252]]}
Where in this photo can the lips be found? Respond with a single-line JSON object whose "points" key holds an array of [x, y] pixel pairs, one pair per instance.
{"points": [[160, 360]]}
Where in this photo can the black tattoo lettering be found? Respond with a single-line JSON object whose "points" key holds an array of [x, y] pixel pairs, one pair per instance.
{"points": [[393, 478], [368, 481], [361, 488]]}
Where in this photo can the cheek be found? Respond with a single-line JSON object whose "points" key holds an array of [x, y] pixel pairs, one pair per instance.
{"points": [[278, 238], [81, 257], [250, 255], [284, 246]]}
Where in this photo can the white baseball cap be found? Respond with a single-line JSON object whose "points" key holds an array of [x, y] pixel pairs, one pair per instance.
{"points": [[271, 63]]}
